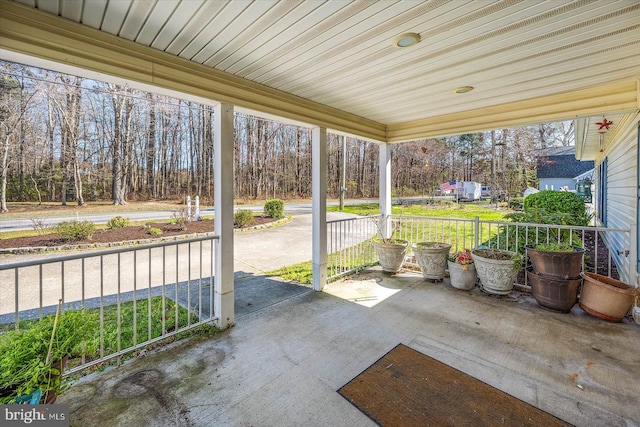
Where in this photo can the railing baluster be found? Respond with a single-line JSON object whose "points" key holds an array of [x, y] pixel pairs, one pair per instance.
{"points": [[101, 306], [82, 282], [135, 297], [118, 323], [189, 287], [40, 291], [17, 296], [62, 286], [149, 300], [164, 283], [176, 286]]}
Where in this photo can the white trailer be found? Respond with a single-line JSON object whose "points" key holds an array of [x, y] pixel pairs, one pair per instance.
{"points": [[468, 190]]}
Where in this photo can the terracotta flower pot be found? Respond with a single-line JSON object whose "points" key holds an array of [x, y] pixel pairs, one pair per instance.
{"points": [[432, 258], [606, 298], [563, 265], [391, 255]]}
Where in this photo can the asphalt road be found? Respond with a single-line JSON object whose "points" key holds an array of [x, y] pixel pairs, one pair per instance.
{"points": [[16, 224]]}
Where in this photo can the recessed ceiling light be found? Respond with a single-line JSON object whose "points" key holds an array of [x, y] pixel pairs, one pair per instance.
{"points": [[406, 40], [463, 89]]}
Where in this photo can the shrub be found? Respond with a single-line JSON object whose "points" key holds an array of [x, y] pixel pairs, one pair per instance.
{"points": [[243, 218], [117, 222], [509, 234], [24, 353], [75, 230], [516, 203], [155, 231], [274, 208], [563, 202], [39, 226], [180, 218]]}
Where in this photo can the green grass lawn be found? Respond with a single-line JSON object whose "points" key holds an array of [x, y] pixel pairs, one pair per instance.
{"points": [[460, 235], [442, 210], [175, 317]]}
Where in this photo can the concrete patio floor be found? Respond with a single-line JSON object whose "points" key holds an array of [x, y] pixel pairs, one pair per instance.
{"points": [[282, 364]]}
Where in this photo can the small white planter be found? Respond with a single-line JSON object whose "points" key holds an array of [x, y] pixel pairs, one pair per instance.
{"points": [[496, 276], [391, 255], [432, 258], [460, 278]]}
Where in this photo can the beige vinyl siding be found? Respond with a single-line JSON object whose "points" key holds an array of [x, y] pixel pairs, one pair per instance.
{"points": [[622, 180]]}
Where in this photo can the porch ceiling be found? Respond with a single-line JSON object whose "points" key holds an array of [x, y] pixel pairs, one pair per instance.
{"points": [[332, 63]]}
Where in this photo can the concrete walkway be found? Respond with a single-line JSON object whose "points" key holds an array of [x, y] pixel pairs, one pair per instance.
{"points": [[282, 364]]}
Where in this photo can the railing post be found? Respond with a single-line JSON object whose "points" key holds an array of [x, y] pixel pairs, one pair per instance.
{"points": [[476, 233]]}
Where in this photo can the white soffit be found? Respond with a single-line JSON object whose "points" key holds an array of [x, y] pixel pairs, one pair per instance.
{"points": [[340, 54]]}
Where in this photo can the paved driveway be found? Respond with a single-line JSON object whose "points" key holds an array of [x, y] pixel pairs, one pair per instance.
{"points": [[272, 248], [255, 252]]}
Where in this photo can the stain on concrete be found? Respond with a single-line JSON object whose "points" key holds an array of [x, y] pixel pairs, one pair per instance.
{"points": [[146, 391], [140, 382]]}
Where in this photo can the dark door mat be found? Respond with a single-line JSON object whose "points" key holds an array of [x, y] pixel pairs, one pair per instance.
{"points": [[407, 388]]}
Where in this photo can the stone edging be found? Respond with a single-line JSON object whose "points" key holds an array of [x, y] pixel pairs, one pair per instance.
{"points": [[41, 249]]}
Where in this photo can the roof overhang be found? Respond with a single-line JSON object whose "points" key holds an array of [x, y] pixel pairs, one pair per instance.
{"points": [[590, 143]]}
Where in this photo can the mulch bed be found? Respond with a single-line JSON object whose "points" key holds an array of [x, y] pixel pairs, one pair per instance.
{"points": [[408, 388], [136, 232], [602, 260]]}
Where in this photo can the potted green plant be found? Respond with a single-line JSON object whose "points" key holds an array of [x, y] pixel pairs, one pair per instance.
{"points": [[390, 250], [497, 269], [557, 259], [432, 259], [554, 275], [33, 359], [462, 270]]}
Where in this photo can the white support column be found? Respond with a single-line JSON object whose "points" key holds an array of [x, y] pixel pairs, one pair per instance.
{"points": [[385, 189], [223, 223], [319, 206]]}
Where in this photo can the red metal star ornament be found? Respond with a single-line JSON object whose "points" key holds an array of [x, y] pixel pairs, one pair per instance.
{"points": [[604, 124]]}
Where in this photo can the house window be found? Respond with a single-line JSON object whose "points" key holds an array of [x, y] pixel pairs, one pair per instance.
{"points": [[601, 209]]}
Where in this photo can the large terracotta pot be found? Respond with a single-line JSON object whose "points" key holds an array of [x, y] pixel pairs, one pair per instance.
{"points": [[432, 258], [391, 255], [496, 275], [554, 293], [563, 265], [460, 278], [606, 298]]}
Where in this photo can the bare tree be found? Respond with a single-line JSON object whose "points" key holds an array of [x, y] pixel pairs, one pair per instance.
{"points": [[13, 107]]}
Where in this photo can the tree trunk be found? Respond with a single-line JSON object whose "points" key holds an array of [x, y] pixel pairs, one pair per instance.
{"points": [[3, 184]]}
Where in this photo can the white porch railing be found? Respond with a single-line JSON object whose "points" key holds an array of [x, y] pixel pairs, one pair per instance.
{"points": [[143, 294], [346, 257], [350, 245]]}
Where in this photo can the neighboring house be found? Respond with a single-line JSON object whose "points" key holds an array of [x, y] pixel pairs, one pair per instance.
{"points": [[616, 181], [558, 168]]}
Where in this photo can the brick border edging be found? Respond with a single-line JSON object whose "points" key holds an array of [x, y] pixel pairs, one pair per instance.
{"points": [[43, 249]]}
